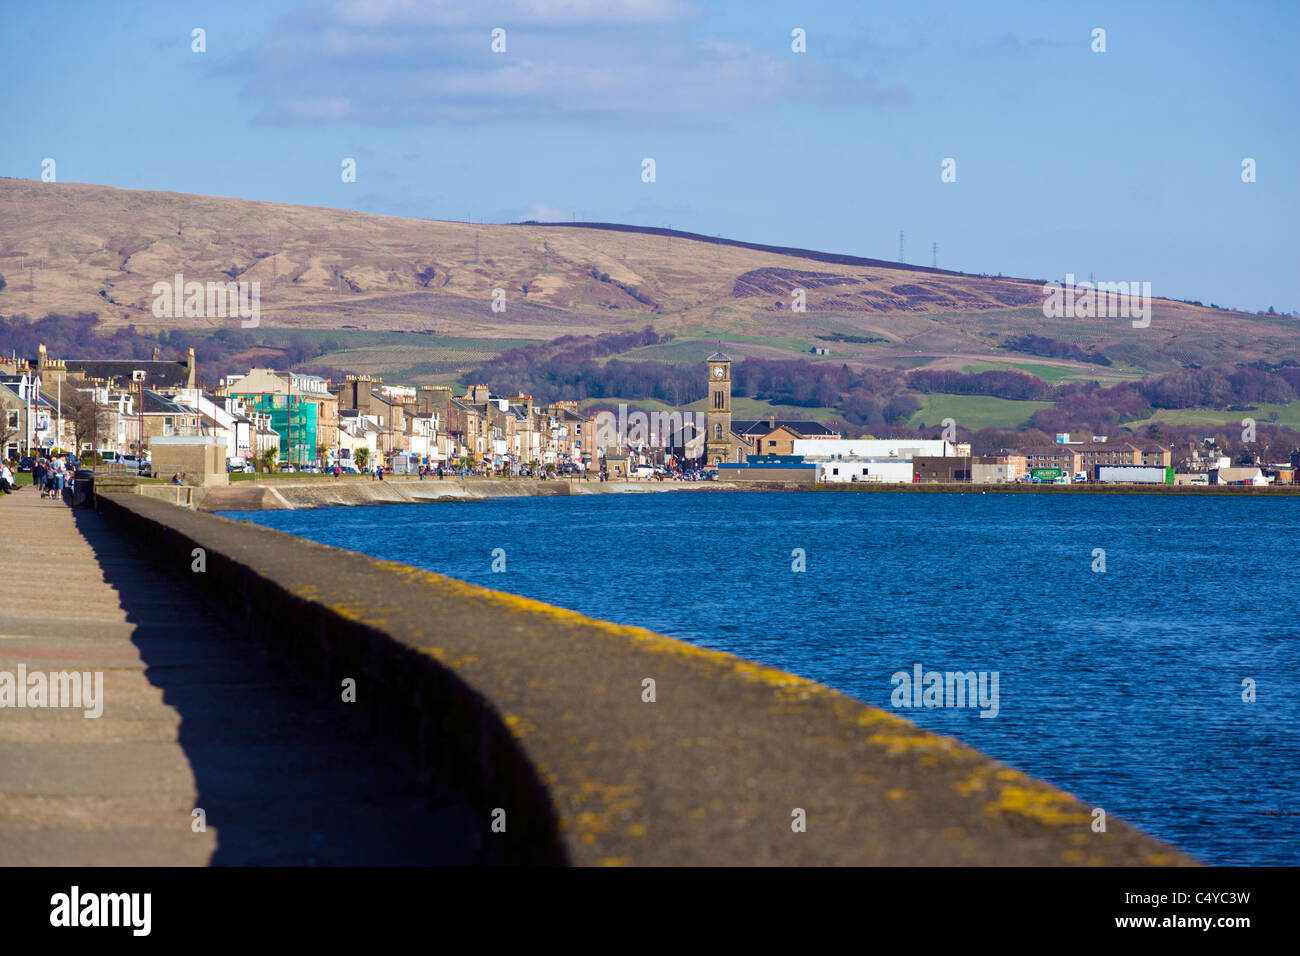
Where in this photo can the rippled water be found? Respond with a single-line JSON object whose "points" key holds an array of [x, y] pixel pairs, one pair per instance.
{"points": [[1123, 687]]}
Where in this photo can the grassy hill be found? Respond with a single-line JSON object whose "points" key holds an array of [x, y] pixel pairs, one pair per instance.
{"points": [[411, 298]]}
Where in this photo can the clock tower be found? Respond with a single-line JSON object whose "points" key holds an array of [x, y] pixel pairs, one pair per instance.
{"points": [[718, 442]]}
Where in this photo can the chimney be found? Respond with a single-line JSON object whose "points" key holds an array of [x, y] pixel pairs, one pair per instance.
{"points": [[771, 421], [432, 398]]}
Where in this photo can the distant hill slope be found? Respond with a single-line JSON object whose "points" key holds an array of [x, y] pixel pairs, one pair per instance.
{"points": [[101, 249]]}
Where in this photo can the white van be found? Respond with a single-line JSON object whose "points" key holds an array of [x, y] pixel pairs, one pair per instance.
{"points": [[643, 471]]}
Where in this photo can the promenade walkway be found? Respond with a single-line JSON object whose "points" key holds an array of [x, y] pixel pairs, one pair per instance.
{"points": [[194, 716]]}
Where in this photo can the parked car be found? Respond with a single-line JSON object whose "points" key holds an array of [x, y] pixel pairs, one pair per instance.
{"points": [[146, 470], [27, 463], [349, 467]]}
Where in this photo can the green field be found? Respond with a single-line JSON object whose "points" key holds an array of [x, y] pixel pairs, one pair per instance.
{"points": [[413, 358], [1288, 415], [648, 404], [709, 337], [1049, 373], [974, 411], [752, 408]]}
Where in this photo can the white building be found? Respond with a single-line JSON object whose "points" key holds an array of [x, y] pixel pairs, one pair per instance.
{"points": [[819, 449], [357, 431], [1239, 476], [887, 470]]}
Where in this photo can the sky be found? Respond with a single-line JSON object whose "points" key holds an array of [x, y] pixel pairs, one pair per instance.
{"points": [[1126, 164]]}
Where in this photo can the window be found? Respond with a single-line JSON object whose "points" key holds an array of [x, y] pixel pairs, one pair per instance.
{"points": [[771, 443], [13, 419], [717, 431], [167, 421]]}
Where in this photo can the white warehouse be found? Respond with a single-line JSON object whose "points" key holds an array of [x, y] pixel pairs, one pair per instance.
{"points": [[895, 470], [820, 449]]}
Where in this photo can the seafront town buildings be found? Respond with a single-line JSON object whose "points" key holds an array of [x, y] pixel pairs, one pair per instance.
{"points": [[76, 405], [433, 425], [307, 420]]}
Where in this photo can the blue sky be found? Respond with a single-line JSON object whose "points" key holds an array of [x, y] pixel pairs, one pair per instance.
{"points": [[1126, 163]]}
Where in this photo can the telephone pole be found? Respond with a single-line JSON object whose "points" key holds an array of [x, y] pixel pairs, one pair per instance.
{"points": [[900, 246], [934, 255]]}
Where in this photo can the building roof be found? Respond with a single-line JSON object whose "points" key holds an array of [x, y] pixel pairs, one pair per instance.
{"points": [[42, 400], [1042, 450], [155, 404], [160, 373], [763, 426], [719, 357]]}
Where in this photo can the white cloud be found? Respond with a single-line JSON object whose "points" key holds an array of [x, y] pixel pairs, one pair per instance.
{"points": [[541, 212], [506, 13], [399, 61]]}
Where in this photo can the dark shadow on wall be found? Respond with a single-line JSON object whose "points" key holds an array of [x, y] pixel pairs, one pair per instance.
{"points": [[284, 777]]}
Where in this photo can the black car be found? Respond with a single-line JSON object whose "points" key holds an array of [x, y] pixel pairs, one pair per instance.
{"points": [[27, 464]]}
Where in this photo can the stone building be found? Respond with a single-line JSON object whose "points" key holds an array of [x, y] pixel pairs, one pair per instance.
{"points": [[733, 441], [721, 444]]}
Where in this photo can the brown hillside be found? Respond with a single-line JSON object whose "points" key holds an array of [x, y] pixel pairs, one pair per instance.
{"points": [[96, 248]]}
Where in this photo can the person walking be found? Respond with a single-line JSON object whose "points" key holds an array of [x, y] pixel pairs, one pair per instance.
{"points": [[60, 476]]}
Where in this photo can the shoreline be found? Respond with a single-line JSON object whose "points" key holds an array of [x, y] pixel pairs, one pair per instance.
{"points": [[282, 494], [288, 494]]}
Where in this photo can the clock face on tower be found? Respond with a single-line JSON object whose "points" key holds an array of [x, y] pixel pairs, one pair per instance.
{"points": [[717, 371]]}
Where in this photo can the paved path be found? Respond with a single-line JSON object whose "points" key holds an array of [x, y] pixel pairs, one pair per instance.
{"points": [[194, 715]]}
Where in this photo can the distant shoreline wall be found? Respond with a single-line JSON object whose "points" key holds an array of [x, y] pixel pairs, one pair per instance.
{"points": [[320, 493], [277, 495], [595, 743]]}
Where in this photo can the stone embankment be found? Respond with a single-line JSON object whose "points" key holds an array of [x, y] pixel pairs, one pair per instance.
{"points": [[579, 741], [323, 492]]}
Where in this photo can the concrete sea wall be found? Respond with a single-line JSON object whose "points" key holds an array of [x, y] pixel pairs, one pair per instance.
{"points": [[596, 743], [272, 495]]}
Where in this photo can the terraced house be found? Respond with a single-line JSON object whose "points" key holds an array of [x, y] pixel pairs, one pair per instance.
{"points": [[302, 409]]}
